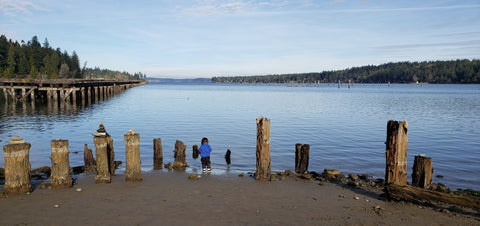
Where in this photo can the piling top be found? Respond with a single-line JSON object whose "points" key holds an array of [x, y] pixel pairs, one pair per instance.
{"points": [[17, 140], [101, 132], [101, 128], [130, 132]]}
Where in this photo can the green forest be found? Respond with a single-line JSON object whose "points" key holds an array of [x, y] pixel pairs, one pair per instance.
{"points": [[442, 72], [36, 61]]}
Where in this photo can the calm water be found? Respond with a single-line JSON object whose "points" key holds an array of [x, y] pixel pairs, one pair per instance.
{"points": [[346, 128]]}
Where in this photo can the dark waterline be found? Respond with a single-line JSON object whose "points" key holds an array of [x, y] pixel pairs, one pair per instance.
{"points": [[346, 128]]}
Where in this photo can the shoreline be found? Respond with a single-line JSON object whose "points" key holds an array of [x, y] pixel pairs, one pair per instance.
{"points": [[170, 197]]}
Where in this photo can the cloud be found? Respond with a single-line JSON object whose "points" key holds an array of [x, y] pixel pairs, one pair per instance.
{"points": [[405, 9], [463, 44], [13, 7], [209, 8]]}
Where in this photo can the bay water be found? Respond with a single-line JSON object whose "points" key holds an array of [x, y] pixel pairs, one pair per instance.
{"points": [[345, 127]]}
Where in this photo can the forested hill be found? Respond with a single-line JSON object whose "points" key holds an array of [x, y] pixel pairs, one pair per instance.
{"points": [[456, 72], [32, 60]]}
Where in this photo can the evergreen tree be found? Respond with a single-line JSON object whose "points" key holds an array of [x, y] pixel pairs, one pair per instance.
{"points": [[10, 71], [75, 66], [51, 65], [4, 45], [64, 71]]}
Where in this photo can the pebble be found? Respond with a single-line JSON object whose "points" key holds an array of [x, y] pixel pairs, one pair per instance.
{"points": [[377, 207], [193, 176], [17, 140], [357, 198], [56, 206], [79, 189]]}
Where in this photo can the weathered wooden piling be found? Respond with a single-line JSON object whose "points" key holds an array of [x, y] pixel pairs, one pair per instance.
{"points": [[157, 154], [88, 159], [102, 174], [180, 160], [422, 175], [302, 155], [110, 155], [263, 149], [396, 153], [195, 151], [227, 157], [17, 166], [60, 174], [133, 172]]}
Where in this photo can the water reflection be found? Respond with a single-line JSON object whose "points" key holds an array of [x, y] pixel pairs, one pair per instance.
{"points": [[346, 128]]}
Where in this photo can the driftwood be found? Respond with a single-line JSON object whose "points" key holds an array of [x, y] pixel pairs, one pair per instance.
{"points": [[415, 194]]}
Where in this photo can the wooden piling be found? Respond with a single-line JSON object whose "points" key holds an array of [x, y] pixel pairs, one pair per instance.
{"points": [[195, 151], [110, 155], [180, 158], [396, 153], [422, 172], [263, 149], [88, 159], [17, 166], [95, 89], [74, 97], [302, 153], [60, 174], [89, 95], [157, 154], [133, 171], [102, 167], [227, 157], [55, 96]]}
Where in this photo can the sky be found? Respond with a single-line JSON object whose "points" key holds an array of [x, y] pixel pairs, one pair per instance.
{"points": [[207, 38]]}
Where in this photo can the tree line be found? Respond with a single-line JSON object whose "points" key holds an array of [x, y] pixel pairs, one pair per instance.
{"points": [[36, 61], [451, 72]]}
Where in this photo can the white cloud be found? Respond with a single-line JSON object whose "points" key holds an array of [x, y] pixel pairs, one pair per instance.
{"points": [[13, 7], [209, 8]]}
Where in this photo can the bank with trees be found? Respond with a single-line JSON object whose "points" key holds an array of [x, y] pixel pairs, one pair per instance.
{"points": [[441, 72], [34, 60]]}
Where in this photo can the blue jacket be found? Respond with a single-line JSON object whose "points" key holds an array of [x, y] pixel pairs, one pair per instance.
{"points": [[205, 150]]}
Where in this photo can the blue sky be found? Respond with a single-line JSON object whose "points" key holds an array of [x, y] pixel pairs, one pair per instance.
{"points": [[205, 38]]}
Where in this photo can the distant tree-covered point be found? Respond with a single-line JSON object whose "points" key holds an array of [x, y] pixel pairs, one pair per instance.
{"points": [[441, 72], [32, 60]]}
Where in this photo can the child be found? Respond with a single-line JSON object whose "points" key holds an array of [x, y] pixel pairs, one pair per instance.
{"points": [[205, 150]]}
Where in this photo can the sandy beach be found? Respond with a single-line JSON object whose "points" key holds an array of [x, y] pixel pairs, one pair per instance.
{"points": [[171, 198]]}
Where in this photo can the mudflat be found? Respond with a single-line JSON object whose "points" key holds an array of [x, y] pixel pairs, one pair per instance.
{"points": [[163, 198]]}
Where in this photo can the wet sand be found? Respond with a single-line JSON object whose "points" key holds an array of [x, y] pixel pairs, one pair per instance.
{"points": [[171, 198]]}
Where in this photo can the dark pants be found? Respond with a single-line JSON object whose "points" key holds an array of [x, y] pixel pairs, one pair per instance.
{"points": [[205, 162]]}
